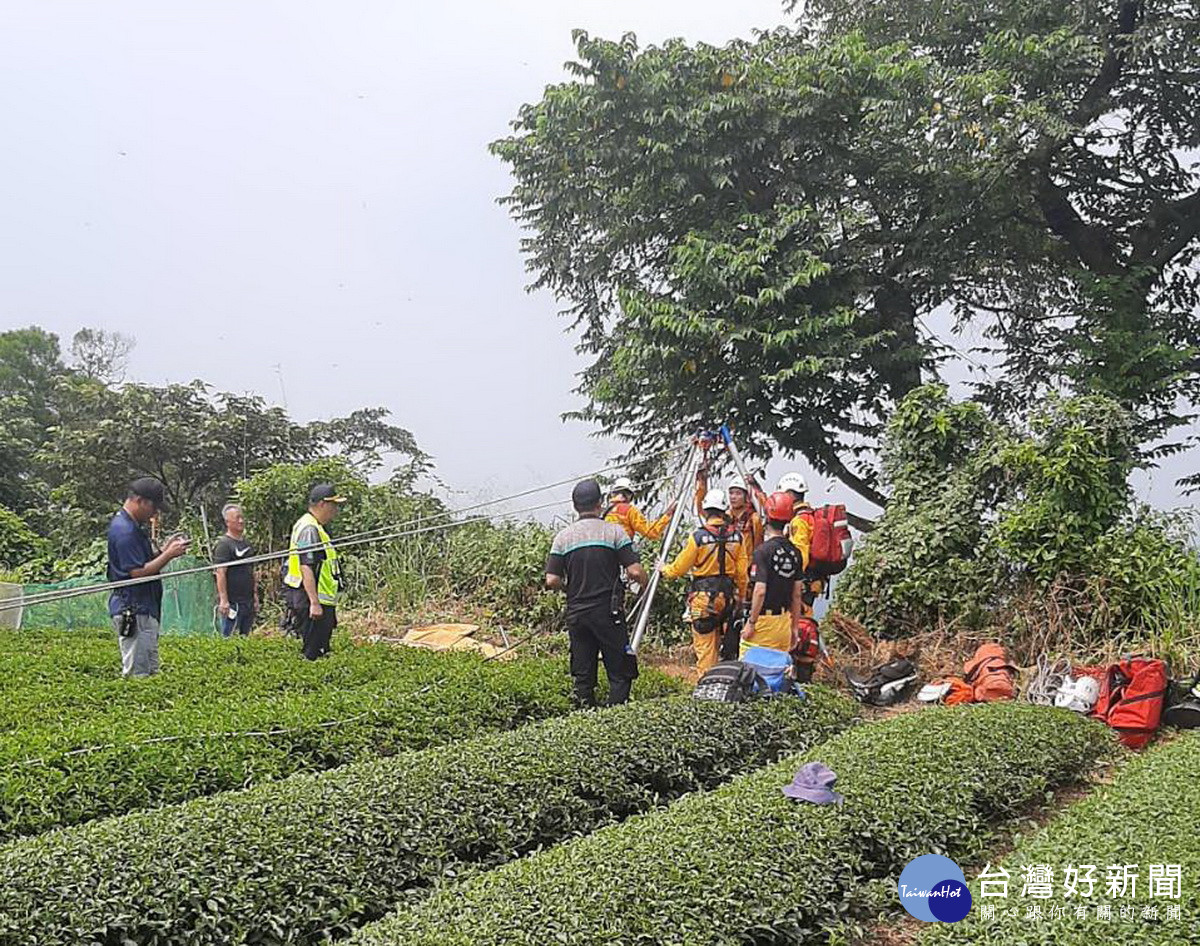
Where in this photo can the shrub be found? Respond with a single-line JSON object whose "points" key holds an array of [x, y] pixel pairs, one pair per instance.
{"points": [[1147, 815], [747, 864], [312, 857], [76, 748]]}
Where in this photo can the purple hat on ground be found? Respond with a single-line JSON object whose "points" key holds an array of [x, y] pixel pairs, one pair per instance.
{"points": [[814, 783]]}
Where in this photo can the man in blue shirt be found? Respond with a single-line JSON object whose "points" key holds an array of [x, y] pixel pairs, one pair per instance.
{"points": [[135, 610]]}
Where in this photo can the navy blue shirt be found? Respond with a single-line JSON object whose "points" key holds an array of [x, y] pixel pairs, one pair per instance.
{"points": [[129, 548]]}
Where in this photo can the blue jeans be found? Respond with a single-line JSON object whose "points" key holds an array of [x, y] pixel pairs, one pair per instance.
{"points": [[243, 623]]}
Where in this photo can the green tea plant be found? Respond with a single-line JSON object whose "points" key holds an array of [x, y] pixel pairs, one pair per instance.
{"points": [[83, 745], [745, 863], [312, 857], [1147, 815]]}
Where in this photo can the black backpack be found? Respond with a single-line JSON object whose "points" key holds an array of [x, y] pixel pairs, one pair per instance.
{"points": [[886, 684], [1183, 704], [730, 681]]}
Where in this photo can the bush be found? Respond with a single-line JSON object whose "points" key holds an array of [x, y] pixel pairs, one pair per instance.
{"points": [[76, 747], [1147, 815], [991, 525], [312, 857], [747, 864]]}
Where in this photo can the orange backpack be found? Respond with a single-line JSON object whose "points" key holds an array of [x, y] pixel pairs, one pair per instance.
{"points": [[831, 544], [990, 675]]}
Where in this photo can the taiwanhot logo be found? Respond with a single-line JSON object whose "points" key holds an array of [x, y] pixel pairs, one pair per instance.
{"points": [[932, 888]]}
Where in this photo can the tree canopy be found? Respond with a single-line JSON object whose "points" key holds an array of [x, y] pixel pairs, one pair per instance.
{"points": [[758, 232]]}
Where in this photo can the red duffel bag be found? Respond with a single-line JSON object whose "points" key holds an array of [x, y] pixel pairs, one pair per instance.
{"points": [[1131, 699]]}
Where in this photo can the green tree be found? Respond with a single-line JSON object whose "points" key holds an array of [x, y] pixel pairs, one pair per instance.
{"points": [[101, 355], [30, 369], [757, 232], [1072, 128]]}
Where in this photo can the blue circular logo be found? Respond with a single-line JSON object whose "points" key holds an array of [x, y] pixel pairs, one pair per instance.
{"points": [[933, 888]]}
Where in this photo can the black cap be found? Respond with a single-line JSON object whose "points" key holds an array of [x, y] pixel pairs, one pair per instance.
{"points": [[324, 493], [586, 495], [147, 487]]}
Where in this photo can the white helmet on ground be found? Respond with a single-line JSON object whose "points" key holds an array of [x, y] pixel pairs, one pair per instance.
{"points": [[715, 499], [1079, 694], [793, 481], [622, 484]]}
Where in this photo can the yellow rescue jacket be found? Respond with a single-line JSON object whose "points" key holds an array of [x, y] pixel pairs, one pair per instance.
{"points": [[700, 557], [630, 518]]}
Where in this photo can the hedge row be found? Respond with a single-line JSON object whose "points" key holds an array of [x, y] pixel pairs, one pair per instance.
{"points": [[745, 864], [312, 857], [55, 682], [1149, 814], [415, 700]]}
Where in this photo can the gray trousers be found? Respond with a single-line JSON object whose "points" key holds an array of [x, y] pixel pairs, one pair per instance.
{"points": [[139, 653]]}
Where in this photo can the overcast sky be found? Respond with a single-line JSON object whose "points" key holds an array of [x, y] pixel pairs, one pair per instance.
{"points": [[297, 197]]}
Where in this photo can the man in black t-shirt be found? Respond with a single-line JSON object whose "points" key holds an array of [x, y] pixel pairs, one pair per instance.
{"points": [[237, 596], [777, 602], [586, 561]]}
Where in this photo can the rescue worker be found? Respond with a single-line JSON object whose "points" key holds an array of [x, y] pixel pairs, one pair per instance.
{"points": [[715, 558], [777, 601], [312, 577], [800, 532], [742, 513], [624, 513], [585, 560]]}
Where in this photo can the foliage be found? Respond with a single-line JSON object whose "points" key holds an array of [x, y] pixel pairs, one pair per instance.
{"points": [[986, 519], [30, 364], [771, 221], [414, 820], [18, 543], [1072, 127], [1145, 815], [747, 864], [362, 703]]}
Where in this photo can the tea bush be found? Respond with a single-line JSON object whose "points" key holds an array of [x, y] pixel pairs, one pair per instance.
{"points": [[745, 864], [1149, 814], [312, 857], [77, 747]]}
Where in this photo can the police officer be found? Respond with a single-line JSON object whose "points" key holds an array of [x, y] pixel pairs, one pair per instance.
{"points": [[312, 577]]}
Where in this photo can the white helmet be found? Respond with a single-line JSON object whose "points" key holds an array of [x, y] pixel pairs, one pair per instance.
{"points": [[1079, 695], [739, 483], [794, 482], [622, 484], [715, 499]]}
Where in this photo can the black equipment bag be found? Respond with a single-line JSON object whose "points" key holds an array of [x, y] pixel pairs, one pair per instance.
{"points": [[730, 681]]}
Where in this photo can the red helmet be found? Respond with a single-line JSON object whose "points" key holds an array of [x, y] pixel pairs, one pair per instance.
{"points": [[780, 507]]}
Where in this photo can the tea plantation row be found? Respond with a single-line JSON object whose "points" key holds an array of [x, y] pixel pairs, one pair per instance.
{"points": [[745, 864], [312, 857], [162, 740], [1149, 814]]}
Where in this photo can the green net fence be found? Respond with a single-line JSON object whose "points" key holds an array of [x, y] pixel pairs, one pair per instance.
{"points": [[187, 607]]}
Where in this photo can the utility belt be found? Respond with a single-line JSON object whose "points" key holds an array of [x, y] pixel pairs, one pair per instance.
{"points": [[710, 602]]}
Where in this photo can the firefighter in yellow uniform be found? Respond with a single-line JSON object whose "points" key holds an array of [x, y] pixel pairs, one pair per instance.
{"points": [[624, 513], [742, 514], [715, 559]]}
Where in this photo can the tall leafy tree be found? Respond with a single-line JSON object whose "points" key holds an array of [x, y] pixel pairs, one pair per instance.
{"points": [[757, 232], [30, 369], [1079, 122]]}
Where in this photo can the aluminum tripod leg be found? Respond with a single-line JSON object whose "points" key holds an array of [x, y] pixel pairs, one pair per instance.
{"points": [[672, 528]]}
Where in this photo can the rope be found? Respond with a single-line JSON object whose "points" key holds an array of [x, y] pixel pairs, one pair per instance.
{"points": [[350, 541]]}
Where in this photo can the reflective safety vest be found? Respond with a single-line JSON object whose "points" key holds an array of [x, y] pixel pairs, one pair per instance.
{"points": [[327, 576]]}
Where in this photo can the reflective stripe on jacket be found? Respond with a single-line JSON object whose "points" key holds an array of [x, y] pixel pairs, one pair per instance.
{"points": [[327, 576]]}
